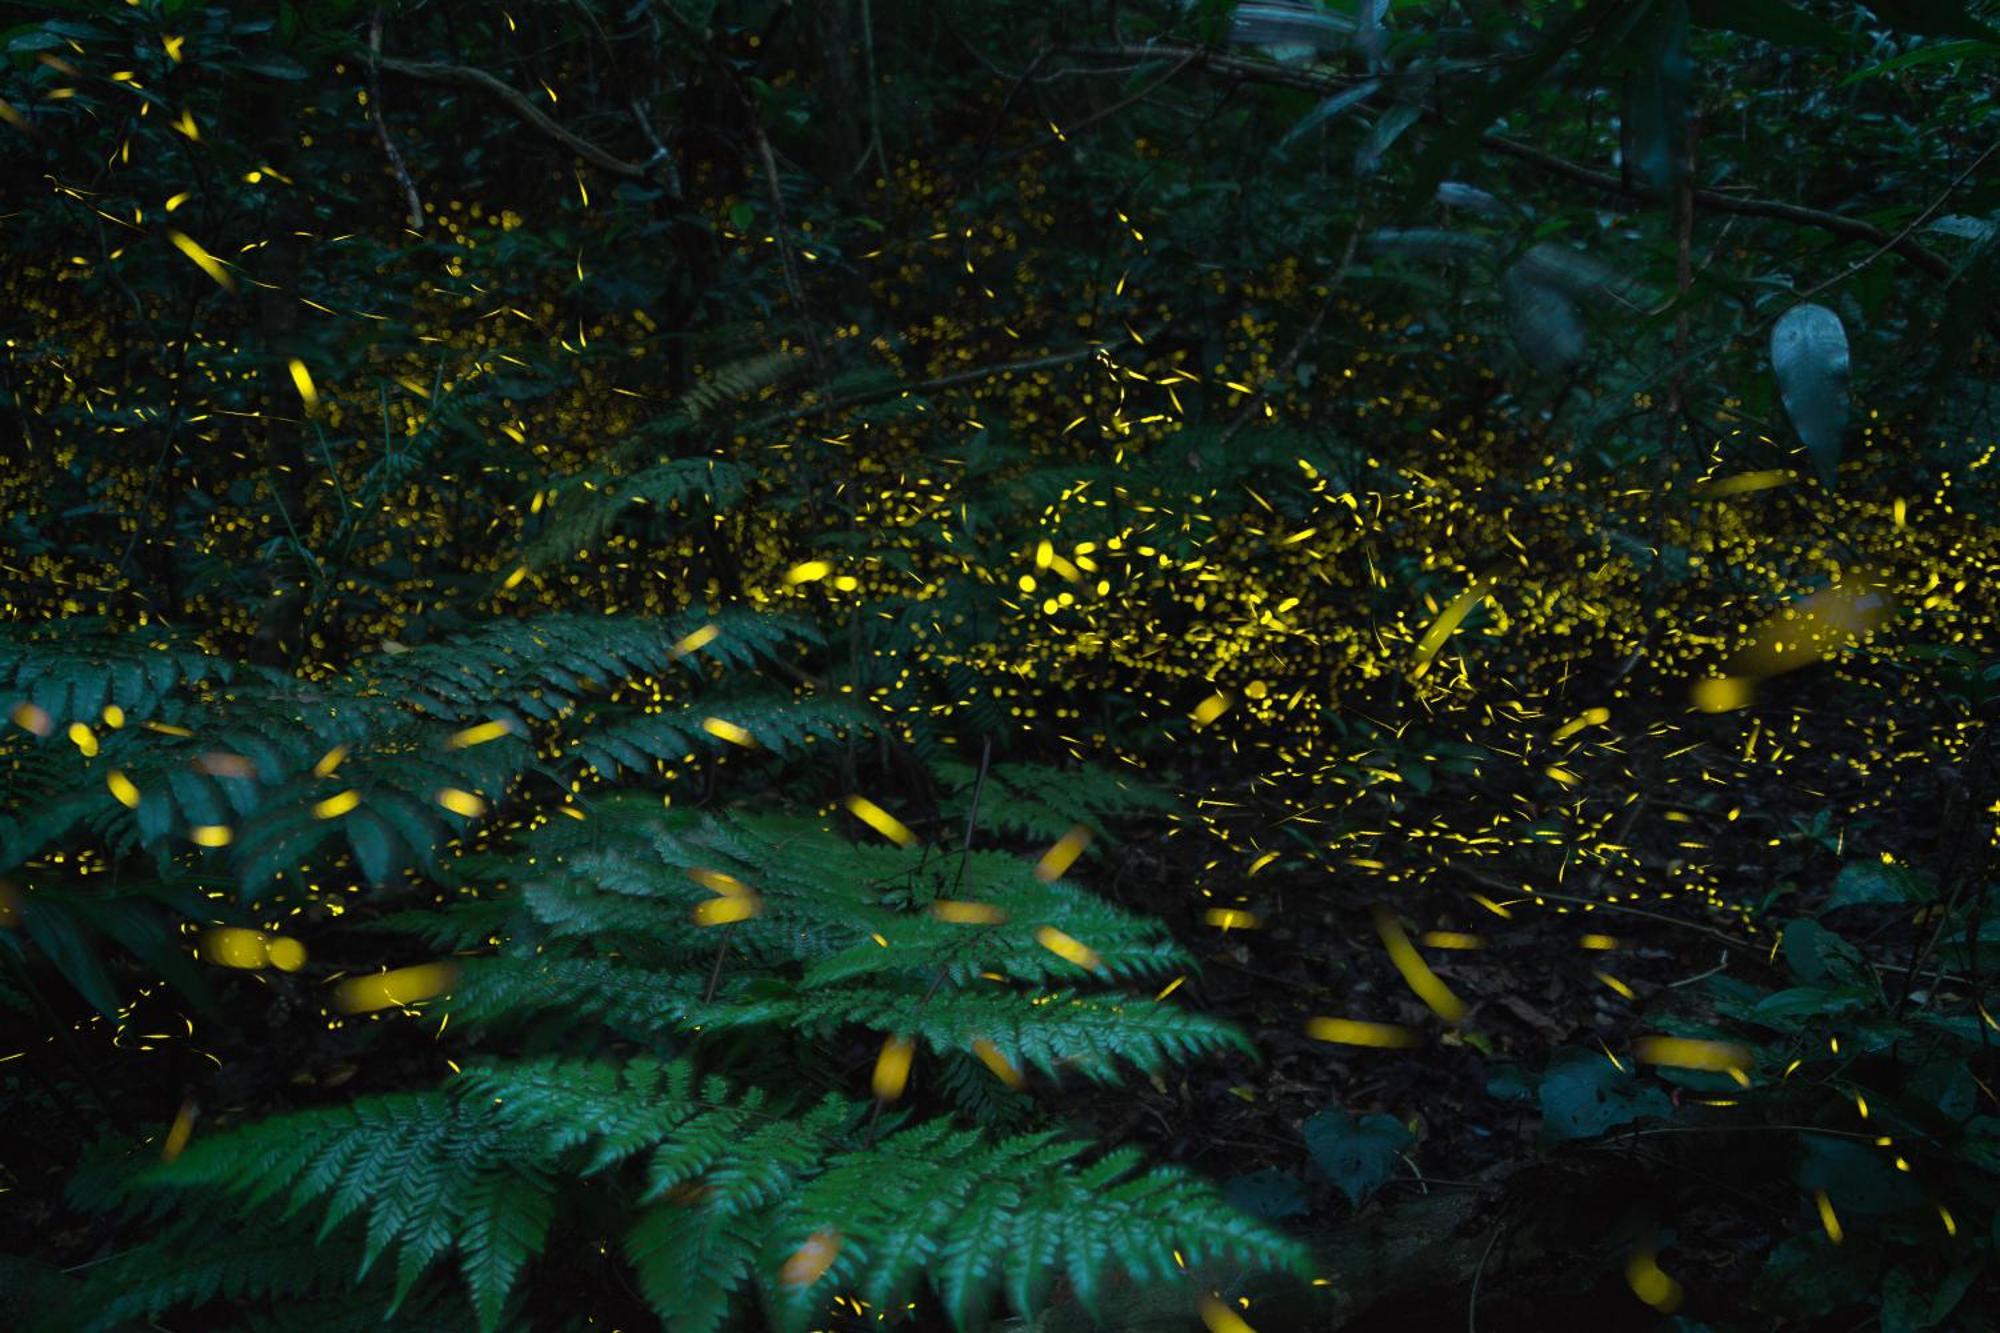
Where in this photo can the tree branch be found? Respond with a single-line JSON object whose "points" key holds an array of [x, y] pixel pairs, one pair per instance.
{"points": [[894, 389], [465, 76], [1929, 262], [1853, 229], [389, 150]]}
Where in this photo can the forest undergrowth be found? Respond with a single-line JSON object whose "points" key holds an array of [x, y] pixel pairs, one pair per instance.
{"points": [[1282, 665]]}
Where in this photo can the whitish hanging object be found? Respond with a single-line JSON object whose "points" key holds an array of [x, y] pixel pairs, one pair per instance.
{"points": [[1653, 130], [1425, 243], [1809, 357], [1455, 194], [1289, 30], [1579, 277], [1547, 329], [1388, 128]]}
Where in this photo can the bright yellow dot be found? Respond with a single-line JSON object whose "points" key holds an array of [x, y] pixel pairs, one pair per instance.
{"points": [[1722, 694], [728, 731], [302, 380], [389, 990], [884, 823], [30, 717], [461, 802], [1828, 1218], [706, 634], [808, 1263], [1354, 1032], [970, 914], [1003, 1069], [722, 911], [479, 735], [1062, 855], [892, 1067], [210, 835], [333, 807], [1063, 946], [287, 955], [808, 572], [121, 787]]}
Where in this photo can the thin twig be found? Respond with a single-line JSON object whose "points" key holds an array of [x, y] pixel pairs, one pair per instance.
{"points": [[972, 814], [865, 397], [1252, 71], [781, 230], [1495, 882], [1472, 1301], [875, 148], [389, 149], [517, 102], [715, 971]]}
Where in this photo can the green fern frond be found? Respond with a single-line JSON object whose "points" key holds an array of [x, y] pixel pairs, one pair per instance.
{"points": [[734, 1185], [182, 1269], [585, 508], [638, 1001], [1092, 1035], [72, 670], [1042, 801], [737, 379], [840, 910], [780, 724]]}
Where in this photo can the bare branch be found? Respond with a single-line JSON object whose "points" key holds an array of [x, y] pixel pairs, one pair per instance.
{"points": [[465, 76], [389, 149], [1928, 261]]}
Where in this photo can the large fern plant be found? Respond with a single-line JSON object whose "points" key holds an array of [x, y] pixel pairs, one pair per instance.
{"points": [[742, 1059]]}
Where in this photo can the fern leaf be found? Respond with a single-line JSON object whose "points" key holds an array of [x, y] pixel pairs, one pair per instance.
{"points": [[691, 1262], [506, 1220]]}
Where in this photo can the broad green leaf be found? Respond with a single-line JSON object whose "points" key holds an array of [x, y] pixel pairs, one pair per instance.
{"points": [[1804, 1002], [1933, 18], [1328, 109], [59, 931], [1809, 357], [1809, 1276], [1912, 1301], [1857, 1176], [1388, 128], [1773, 21], [1816, 954], [1585, 1095], [1357, 1155], [1873, 882], [374, 845], [1269, 1194], [1930, 53], [275, 66]]}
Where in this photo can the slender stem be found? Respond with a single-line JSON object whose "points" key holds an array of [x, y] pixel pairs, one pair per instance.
{"points": [[715, 971]]}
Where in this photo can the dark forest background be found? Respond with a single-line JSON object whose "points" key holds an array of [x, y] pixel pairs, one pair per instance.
{"points": [[1169, 664]]}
